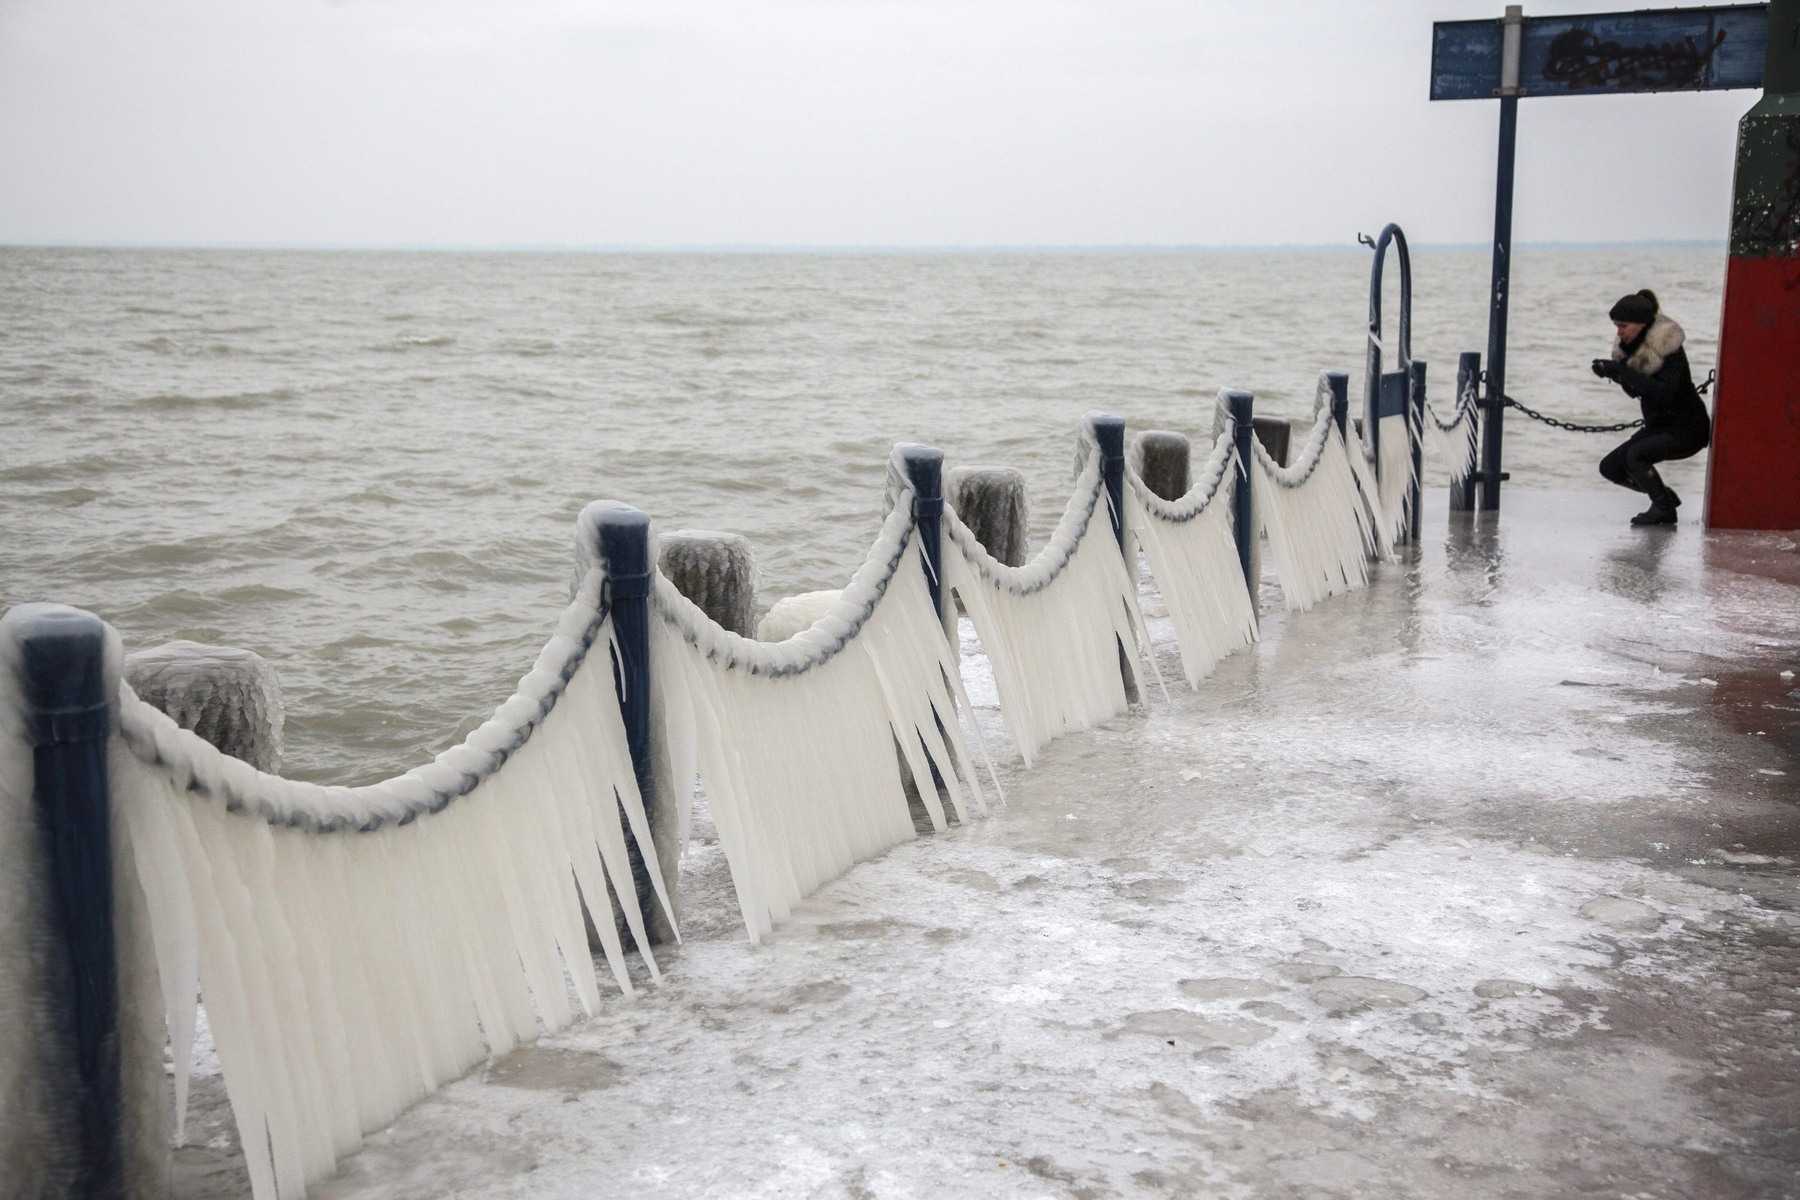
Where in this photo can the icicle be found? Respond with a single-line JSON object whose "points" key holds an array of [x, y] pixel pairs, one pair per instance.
{"points": [[1312, 514]]}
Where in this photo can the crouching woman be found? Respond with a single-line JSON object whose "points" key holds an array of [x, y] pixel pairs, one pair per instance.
{"points": [[1648, 361]]}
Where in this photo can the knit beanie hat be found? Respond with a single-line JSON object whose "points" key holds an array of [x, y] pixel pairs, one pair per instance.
{"points": [[1639, 308]]}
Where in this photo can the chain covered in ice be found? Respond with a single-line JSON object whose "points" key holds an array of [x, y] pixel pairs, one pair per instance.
{"points": [[1049, 562], [1311, 451], [818, 644], [195, 765], [1206, 484]]}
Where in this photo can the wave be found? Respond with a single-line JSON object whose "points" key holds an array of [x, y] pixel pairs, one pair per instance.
{"points": [[415, 342], [175, 401]]}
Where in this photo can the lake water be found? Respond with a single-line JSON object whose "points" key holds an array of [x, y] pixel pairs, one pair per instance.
{"points": [[366, 466]]}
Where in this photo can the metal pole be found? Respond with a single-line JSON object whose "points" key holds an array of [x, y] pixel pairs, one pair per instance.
{"points": [[1339, 383], [625, 550], [1110, 433], [63, 660], [1415, 421], [1468, 377], [925, 467], [1239, 404], [1494, 403]]}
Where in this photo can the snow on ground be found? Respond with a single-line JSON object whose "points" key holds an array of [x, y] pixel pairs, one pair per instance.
{"points": [[1478, 883]]}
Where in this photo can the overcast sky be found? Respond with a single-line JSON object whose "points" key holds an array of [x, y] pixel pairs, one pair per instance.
{"points": [[806, 122]]}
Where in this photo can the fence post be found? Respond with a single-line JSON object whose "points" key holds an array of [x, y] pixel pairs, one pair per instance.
{"points": [[925, 468], [1239, 404], [1110, 433], [1415, 419], [1468, 376], [1339, 383], [625, 551], [62, 664]]}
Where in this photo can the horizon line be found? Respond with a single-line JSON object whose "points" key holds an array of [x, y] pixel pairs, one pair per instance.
{"points": [[1071, 248]]}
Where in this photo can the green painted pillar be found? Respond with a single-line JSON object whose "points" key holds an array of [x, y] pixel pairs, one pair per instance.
{"points": [[1753, 474]]}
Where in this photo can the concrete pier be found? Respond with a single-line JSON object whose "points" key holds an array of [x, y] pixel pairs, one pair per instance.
{"points": [[1478, 883]]}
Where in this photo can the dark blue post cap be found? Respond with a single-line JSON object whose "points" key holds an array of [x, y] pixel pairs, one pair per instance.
{"points": [[925, 469], [1239, 402], [62, 656], [1109, 432], [1339, 384], [625, 549]]}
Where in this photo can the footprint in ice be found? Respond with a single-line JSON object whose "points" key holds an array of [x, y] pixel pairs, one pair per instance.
{"points": [[1306, 972], [546, 1069], [1345, 994], [1500, 989], [1226, 989], [1627, 916], [1193, 1030]]}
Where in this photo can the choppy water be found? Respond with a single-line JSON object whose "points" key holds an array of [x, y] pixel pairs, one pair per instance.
{"points": [[365, 466]]}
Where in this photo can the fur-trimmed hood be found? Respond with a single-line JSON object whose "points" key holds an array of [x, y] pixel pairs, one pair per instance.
{"points": [[1663, 338]]}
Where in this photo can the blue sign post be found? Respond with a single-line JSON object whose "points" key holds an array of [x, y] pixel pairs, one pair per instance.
{"points": [[1655, 50]]}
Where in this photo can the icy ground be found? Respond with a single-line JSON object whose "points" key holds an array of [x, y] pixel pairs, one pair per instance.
{"points": [[1480, 883]]}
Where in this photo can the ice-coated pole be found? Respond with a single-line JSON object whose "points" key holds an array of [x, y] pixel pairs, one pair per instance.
{"points": [[925, 468], [1468, 379], [1339, 383], [1238, 403], [1110, 433], [62, 661], [625, 551], [1415, 421]]}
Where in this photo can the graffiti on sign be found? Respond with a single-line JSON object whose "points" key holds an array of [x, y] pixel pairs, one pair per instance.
{"points": [[1579, 59]]}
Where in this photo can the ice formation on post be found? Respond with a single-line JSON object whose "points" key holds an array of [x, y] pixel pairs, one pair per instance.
{"points": [[1053, 628], [794, 740], [1193, 555], [1314, 518], [358, 947], [1451, 440]]}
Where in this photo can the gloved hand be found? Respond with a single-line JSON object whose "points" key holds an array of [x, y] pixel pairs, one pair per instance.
{"points": [[1606, 368]]}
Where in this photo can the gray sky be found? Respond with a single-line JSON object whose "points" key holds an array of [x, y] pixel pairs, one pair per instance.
{"points": [[806, 122]]}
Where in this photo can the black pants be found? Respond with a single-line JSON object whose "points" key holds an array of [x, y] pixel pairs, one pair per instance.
{"points": [[1633, 464]]}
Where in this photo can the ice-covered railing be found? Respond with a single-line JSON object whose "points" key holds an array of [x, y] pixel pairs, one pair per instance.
{"points": [[355, 947], [1062, 631], [775, 731], [1320, 532], [1190, 544]]}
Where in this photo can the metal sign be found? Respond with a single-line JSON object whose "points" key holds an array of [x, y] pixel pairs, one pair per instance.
{"points": [[1652, 50]]}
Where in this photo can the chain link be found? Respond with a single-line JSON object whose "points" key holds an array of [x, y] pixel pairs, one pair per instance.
{"points": [[1572, 427]]}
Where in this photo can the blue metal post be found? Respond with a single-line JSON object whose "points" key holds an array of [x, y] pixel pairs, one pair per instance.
{"points": [[625, 550], [1493, 402], [1468, 376], [925, 467], [1110, 431], [62, 660], [1415, 420], [1239, 404], [1339, 383]]}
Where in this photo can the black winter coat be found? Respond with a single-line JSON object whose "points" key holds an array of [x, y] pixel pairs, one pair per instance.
{"points": [[1653, 369]]}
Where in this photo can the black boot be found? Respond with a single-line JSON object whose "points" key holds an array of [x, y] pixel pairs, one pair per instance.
{"points": [[1663, 503]]}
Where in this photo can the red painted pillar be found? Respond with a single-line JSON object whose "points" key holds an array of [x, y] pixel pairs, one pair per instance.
{"points": [[1753, 474]]}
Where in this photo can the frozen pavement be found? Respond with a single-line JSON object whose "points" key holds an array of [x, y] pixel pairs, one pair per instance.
{"points": [[1478, 883]]}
